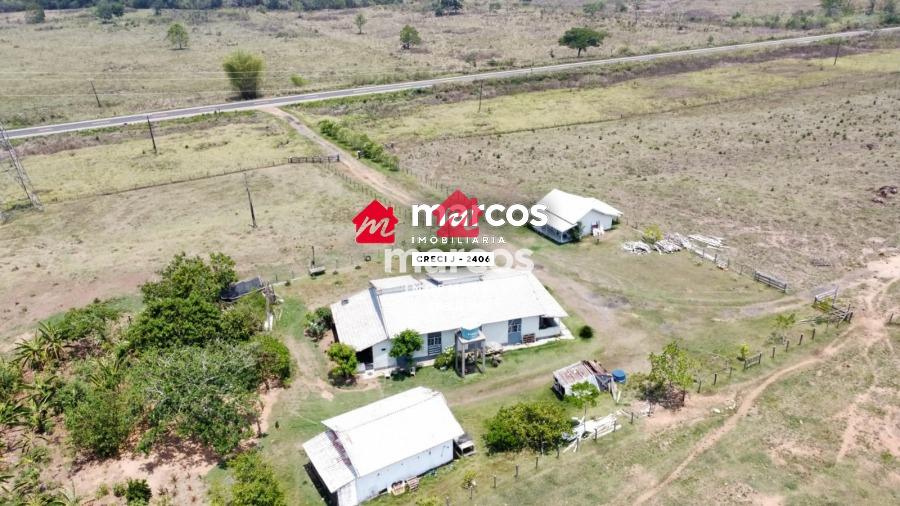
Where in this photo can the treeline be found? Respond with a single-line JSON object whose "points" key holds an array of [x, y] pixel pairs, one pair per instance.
{"points": [[188, 367], [307, 5]]}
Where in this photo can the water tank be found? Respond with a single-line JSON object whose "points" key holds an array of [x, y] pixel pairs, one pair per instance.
{"points": [[618, 376]]}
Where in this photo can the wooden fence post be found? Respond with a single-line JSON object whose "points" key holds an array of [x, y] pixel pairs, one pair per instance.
{"points": [[787, 344], [536, 461], [495, 481], [773, 352], [813, 336], [699, 384], [799, 343], [517, 470], [715, 378]]}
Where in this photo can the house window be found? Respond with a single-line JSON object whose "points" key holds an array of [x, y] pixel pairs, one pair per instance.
{"points": [[515, 326], [434, 343]]}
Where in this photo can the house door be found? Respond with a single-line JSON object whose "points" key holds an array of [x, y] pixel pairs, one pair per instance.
{"points": [[434, 343], [514, 334]]}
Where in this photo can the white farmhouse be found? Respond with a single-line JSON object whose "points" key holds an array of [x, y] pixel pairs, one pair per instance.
{"points": [[499, 308], [367, 450], [566, 211]]}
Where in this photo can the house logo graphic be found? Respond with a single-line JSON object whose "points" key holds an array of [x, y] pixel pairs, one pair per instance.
{"points": [[458, 216], [375, 224]]}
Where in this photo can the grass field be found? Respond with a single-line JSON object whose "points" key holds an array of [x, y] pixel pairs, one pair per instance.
{"points": [[48, 68], [92, 163], [713, 151], [103, 246]]}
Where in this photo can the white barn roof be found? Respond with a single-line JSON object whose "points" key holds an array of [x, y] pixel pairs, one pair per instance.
{"points": [[565, 209], [377, 435], [442, 303]]}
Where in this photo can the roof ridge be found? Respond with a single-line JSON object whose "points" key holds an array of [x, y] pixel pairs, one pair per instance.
{"points": [[432, 394]]}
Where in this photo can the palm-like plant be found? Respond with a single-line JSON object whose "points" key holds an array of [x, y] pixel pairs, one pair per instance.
{"points": [[52, 342], [107, 372], [29, 354]]}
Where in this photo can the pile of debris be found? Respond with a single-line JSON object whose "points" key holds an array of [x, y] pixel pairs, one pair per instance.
{"points": [[584, 429], [638, 247], [709, 241], [883, 193]]}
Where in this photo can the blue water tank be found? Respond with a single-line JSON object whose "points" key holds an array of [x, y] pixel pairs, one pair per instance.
{"points": [[618, 376], [469, 333]]}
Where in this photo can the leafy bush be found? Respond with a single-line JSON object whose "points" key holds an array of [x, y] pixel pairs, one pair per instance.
{"points": [[101, 421], [254, 482], [445, 359], [272, 357], [137, 492], [186, 276], [119, 490], [526, 425], [652, 234], [345, 361], [245, 73], [298, 81], [359, 142], [405, 344], [586, 332], [106, 10]]}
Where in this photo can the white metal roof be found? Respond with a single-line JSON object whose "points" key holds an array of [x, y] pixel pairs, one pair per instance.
{"points": [[566, 209], [372, 316], [382, 433], [330, 460]]}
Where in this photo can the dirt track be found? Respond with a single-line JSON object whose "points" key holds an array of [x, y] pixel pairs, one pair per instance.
{"points": [[868, 323]]}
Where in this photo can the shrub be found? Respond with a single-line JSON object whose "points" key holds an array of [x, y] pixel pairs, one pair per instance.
{"points": [[298, 81], [345, 361], [137, 492], [272, 357], [468, 480], [652, 234], [245, 71], [526, 425], [405, 344], [586, 332], [101, 421], [743, 351], [445, 359], [119, 489], [360, 143], [254, 482]]}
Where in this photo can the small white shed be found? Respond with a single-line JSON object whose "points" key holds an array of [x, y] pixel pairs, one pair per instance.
{"points": [[565, 211], [367, 450]]}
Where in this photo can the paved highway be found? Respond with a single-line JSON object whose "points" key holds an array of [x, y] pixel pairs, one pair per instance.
{"points": [[410, 85]]}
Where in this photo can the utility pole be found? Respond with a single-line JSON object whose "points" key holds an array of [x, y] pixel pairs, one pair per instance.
{"points": [[17, 171], [96, 97], [250, 200], [480, 91], [153, 139]]}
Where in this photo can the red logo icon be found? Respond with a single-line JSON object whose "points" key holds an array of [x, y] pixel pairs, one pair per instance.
{"points": [[458, 216], [375, 224]]}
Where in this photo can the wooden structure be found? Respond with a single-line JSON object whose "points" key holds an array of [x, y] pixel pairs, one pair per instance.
{"points": [[469, 349], [770, 280]]}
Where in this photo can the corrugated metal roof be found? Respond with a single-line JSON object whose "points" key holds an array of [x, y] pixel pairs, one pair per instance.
{"points": [[370, 317], [566, 209], [330, 460], [385, 432]]}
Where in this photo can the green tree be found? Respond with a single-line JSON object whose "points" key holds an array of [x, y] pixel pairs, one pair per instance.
{"points": [[890, 14], [582, 38], [34, 14], [833, 8], [450, 7], [177, 35], [254, 482], [185, 276], [409, 37], [245, 72], [583, 395], [173, 321], [526, 425], [783, 322], [404, 345], [743, 351], [360, 21], [591, 9], [91, 322], [671, 368], [202, 393], [344, 358], [586, 332], [106, 10]]}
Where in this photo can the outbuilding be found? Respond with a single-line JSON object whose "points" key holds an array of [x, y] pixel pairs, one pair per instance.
{"points": [[568, 213], [585, 371], [377, 447]]}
